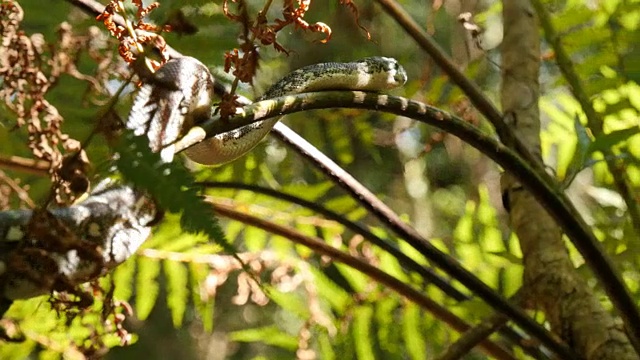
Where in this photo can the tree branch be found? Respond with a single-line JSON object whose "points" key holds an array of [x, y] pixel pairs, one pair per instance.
{"points": [[539, 183], [320, 247], [551, 197], [407, 262], [392, 221], [35, 167], [477, 332]]}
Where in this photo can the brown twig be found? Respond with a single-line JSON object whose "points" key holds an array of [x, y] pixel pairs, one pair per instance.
{"points": [[20, 192], [469, 339], [31, 166]]}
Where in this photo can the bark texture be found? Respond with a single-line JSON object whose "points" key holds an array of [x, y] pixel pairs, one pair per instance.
{"points": [[550, 279]]}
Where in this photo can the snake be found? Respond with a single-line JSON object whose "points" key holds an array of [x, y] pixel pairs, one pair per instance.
{"points": [[180, 95], [67, 246], [54, 249]]}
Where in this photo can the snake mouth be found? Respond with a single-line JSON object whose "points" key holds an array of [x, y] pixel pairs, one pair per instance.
{"points": [[397, 74], [400, 76]]}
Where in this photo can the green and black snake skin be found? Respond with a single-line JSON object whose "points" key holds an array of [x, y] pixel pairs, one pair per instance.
{"points": [[164, 111], [47, 250]]}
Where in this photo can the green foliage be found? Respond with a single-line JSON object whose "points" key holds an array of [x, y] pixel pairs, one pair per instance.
{"points": [[147, 286], [170, 184], [412, 332], [204, 305], [177, 291], [348, 315], [601, 43], [270, 335], [362, 337]]}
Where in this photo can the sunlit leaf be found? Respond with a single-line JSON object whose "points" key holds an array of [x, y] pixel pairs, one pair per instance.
{"points": [[607, 141], [387, 312], [269, 335], [362, 332], [177, 291], [203, 304], [413, 334], [147, 288], [581, 153], [123, 278]]}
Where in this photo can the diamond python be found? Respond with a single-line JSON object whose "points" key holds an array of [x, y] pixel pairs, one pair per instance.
{"points": [[180, 95], [116, 219], [60, 248]]}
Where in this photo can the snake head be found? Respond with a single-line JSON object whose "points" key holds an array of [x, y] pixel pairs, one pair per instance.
{"points": [[392, 73]]}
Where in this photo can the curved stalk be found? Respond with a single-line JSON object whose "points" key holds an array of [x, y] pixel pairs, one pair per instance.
{"points": [[540, 184]]}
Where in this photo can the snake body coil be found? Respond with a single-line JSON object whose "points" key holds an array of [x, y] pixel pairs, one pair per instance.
{"points": [[163, 106], [176, 97]]}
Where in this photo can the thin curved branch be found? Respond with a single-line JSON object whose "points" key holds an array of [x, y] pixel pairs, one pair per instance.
{"points": [[31, 166], [554, 200], [392, 221], [617, 292], [484, 329], [476, 96], [403, 259], [429, 275], [320, 247], [540, 181]]}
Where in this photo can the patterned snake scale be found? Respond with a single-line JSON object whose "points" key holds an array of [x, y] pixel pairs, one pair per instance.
{"points": [[180, 96], [54, 249], [35, 258]]}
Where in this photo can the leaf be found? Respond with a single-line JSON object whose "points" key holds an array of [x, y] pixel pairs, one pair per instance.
{"points": [[202, 302], [412, 334], [357, 280], [123, 280], [389, 339], [171, 185], [363, 316], [607, 141], [177, 290], [270, 335], [292, 302], [326, 348], [18, 350], [464, 228], [309, 192], [618, 106], [567, 20], [254, 239], [341, 204], [332, 292], [580, 155], [147, 287], [506, 255], [169, 237], [596, 85], [391, 266]]}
